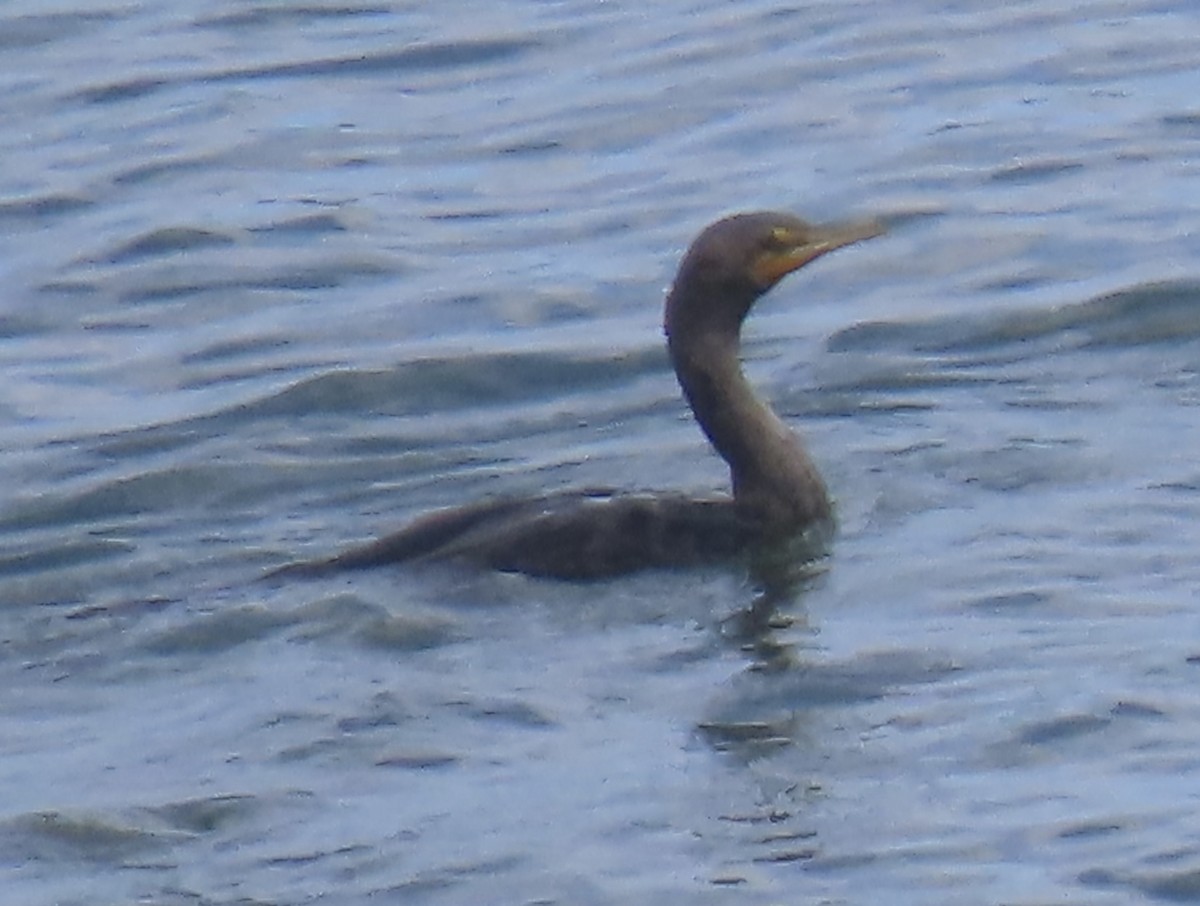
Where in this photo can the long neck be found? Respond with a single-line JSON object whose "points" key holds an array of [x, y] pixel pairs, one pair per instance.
{"points": [[774, 480]]}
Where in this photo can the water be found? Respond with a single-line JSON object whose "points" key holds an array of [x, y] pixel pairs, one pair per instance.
{"points": [[279, 277]]}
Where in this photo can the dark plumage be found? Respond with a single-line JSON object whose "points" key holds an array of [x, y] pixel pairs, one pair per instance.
{"points": [[777, 491]]}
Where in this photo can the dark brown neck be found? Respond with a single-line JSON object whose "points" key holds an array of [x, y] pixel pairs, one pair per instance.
{"points": [[774, 480]]}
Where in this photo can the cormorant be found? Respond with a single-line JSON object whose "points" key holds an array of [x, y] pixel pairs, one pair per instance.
{"points": [[777, 492]]}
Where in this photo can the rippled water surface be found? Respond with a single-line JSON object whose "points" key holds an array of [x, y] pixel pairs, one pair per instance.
{"points": [[279, 276]]}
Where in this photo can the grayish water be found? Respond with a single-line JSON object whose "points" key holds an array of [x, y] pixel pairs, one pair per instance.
{"points": [[278, 277]]}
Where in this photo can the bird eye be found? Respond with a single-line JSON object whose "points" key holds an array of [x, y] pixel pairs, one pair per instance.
{"points": [[779, 238]]}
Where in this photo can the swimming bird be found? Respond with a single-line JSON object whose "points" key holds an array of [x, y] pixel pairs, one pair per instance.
{"points": [[777, 492]]}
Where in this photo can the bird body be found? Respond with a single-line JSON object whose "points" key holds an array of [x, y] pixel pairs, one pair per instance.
{"points": [[777, 491]]}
